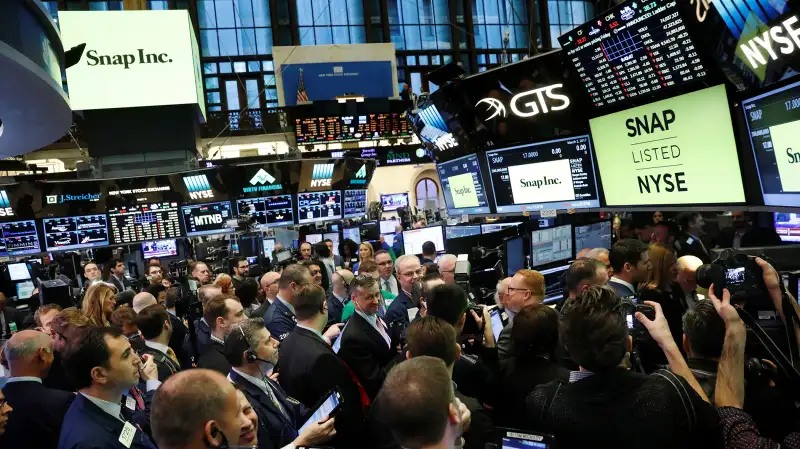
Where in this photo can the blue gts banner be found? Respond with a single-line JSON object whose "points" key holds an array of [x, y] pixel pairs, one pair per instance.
{"points": [[327, 80]]}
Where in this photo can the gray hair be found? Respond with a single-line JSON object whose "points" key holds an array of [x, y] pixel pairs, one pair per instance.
{"points": [[497, 292], [21, 348], [403, 260], [597, 252], [447, 258], [249, 328]]}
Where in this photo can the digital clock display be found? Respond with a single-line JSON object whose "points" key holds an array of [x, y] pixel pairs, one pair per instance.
{"points": [[634, 49]]}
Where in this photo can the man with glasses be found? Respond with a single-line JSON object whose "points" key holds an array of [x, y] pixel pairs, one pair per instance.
{"points": [[269, 292], [447, 268], [241, 269], [371, 269], [385, 267], [366, 345], [526, 287], [409, 272], [154, 275]]}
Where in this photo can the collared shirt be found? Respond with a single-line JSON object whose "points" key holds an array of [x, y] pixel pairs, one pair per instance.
{"points": [[341, 299], [113, 409], [575, 376], [157, 346], [264, 386], [625, 283], [317, 333], [373, 320], [288, 306], [270, 301], [511, 314], [215, 339], [390, 285], [172, 312], [23, 379]]}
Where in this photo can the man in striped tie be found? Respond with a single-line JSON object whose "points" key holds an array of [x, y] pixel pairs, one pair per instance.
{"points": [[156, 328]]}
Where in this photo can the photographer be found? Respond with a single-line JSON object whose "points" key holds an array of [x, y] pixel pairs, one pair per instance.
{"points": [[605, 405]]}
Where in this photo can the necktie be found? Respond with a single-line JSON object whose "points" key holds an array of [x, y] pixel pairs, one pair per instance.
{"points": [[386, 286], [383, 331], [274, 398], [138, 397], [171, 354]]}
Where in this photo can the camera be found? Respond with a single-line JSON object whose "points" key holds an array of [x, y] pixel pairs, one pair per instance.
{"points": [[741, 275], [630, 305]]}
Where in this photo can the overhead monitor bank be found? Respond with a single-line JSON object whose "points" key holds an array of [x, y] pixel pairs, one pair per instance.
{"points": [[672, 152]]}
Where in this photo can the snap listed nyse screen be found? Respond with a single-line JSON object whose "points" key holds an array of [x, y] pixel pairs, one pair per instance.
{"points": [[634, 49], [75, 232], [462, 186], [773, 121], [558, 174], [141, 222], [319, 206]]}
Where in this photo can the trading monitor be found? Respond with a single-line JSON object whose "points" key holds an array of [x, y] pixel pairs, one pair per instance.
{"points": [[204, 219], [494, 227], [269, 246], [25, 290], [313, 238], [159, 248], [554, 289], [551, 245], [454, 232], [144, 222], [319, 206], [84, 231], [355, 203], [595, 235], [353, 234], [19, 238], [268, 211], [415, 238], [462, 186], [514, 256], [18, 271], [334, 238], [394, 201], [389, 239], [389, 226]]}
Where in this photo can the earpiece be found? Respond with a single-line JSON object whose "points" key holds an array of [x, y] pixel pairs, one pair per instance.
{"points": [[249, 355]]}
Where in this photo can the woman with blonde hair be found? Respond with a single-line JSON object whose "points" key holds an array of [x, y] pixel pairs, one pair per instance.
{"points": [[365, 252], [225, 282], [98, 304]]}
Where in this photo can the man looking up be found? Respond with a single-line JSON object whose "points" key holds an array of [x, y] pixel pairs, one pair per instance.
{"points": [[386, 268], [409, 272], [221, 313], [631, 263], [447, 268]]}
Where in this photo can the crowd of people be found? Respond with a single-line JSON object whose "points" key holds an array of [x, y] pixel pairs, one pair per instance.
{"points": [[415, 363]]}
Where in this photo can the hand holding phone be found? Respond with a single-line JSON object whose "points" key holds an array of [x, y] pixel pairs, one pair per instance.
{"points": [[148, 369]]}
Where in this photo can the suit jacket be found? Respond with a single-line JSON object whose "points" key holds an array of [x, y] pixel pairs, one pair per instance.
{"points": [[180, 334], [517, 378], [38, 413], [365, 351], [139, 417], [309, 370], [261, 310], [203, 335], [215, 359], [275, 429], [690, 246], [398, 310], [121, 285], [753, 237], [57, 377], [335, 308], [338, 262], [86, 426], [622, 289], [279, 320], [166, 366]]}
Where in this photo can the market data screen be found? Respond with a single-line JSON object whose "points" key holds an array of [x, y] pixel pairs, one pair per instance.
{"points": [[355, 203], [462, 186], [773, 121], [18, 238], [596, 235], [350, 128], [558, 174], [268, 211], [319, 206], [551, 245], [636, 48], [204, 219], [84, 231], [141, 222], [454, 232]]}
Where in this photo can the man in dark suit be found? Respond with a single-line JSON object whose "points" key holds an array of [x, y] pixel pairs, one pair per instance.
{"points": [[202, 333], [117, 275], [156, 328], [342, 279], [310, 369], [365, 343], [105, 368], [252, 353], [221, 313], [744, 235], [631, 263], [269, 292], [279, 318], [689, 242], [38, 410], [8, 318], [409, 271]]}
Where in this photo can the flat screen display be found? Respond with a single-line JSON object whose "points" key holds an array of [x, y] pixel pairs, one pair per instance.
{"points": [[355, 203], [558, 174], [18, 271], [413, 239], [636, 48], [454, 232], [67, 233], [334, 238], [25, 289], [514, 255], [327, 406], [269, 247], [773, 124], [389, 239], [19, 237], [351, 128], [268, 211], [353, 234], [551, 245], [313, 238], [462, 186], [143, 222], [159, 248], [660, 153], [595, 235], [519, 443], [319, 206], [787, 225], [388, 226], [394, 201], [204, 219], [494, 227]]}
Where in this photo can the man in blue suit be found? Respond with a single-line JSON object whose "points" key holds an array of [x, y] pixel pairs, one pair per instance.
{"points": [[631, 264], [279, 318], [252, 353], [409, 271], [105, 368], [38, 410]]}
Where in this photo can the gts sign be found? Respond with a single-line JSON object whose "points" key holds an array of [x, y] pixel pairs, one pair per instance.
{"points": [[528, 103], [208, 220]]}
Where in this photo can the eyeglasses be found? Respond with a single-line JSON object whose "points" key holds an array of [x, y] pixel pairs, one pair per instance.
{"points": [[510, 289], [412, 273]]}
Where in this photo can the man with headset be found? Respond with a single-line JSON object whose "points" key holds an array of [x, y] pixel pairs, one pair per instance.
{"points": [[252, 353]]}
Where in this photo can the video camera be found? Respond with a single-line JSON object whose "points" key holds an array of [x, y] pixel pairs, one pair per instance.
{"points": [[630, 305], [743, 278]]}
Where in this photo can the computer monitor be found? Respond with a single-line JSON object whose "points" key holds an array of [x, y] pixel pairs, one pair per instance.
{"points": [[455, 232], [25, 290], [18, 271], [159, 248], [394, 201], [787, 225], [551, 245], [313, 238], [333, 237], [269, 246], [514, 255], [353, 234], [494, 227], [554, 289], [595, 235], [414, 238], [389, 239], [388, 226]]}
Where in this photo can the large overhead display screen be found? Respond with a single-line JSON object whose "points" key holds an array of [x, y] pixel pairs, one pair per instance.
{"points": [[66, 233], [661, 153], [351, 128], [462, 185], [319, 206], [355, 203], [558, 174], [142, 222], [636, 48], [211, 218], [18, 238], [773, 122], [268, 211]]}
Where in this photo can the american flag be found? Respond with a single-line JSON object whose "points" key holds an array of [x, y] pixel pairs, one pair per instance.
{"points": [[302, 96]]}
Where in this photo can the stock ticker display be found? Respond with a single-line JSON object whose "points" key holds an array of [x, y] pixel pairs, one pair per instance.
{"points": [[18, 238], [268, 211], [319, 206], [141, 222], [351, 128], [636, 48], [355, 203], [84, 231]]}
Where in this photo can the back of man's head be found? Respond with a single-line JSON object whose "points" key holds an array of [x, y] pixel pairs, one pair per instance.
{"points": [[155, 289], [687, 219], [432, 337], [321, 250], [581, 272], [150, 321], [186, 403], [173, 296], [294, 273], [243, 336], [704, 330], [87, 350], [142, 300], [367, 266], [448, 302], [428, 248], [626, 251], [207, 292], [308, 302], [24, 348], [417, 402], [68, 321], [535, 330], [594, 330]]}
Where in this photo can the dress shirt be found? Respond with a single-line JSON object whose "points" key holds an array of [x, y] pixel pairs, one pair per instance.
{"points": [[2, 324], [317, 333], [264, 386], [216, 340], [288, 306], [172, 312], [739, 432], [113, 409], [390, 285], [23, 379], [157, 346], [373, 320], [625, 283]]}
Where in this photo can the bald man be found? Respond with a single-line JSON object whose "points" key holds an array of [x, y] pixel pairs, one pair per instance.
{"points": [[38, 410], [583, 253], [142, 300], [687, 278], [601, 254]]}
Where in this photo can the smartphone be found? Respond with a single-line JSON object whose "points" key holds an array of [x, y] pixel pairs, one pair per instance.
{"points": [[329, 407]]}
